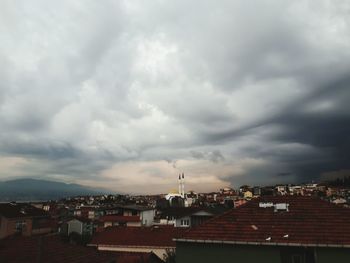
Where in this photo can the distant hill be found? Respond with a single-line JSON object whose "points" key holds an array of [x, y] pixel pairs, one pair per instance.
{"points": [[39, 190]]}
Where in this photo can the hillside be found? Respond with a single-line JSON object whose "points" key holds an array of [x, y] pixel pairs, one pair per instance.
{"points": [[35, 189]]}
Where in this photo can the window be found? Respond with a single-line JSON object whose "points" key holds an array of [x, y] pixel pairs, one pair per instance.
{"points": [[185, 222], [127, 213], [20, 225]]}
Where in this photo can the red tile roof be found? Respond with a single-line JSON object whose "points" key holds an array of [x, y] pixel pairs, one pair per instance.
{"points": [[137, 207], [161, 236], [122, 219], [308, 221], [54, 250], [18, 210], [26, 249]]}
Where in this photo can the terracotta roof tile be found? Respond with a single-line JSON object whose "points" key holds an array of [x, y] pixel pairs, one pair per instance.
{"points": [[18, 210], [308, 221], [161, 236], [54, 250]]}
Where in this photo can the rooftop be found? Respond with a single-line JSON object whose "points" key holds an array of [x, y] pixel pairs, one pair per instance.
{"points": [[157, 236], [303, 221], [137, 207], [18, 210], [53, 249]]}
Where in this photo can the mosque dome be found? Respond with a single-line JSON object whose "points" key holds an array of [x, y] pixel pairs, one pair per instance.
{"points": [[173, 191]]}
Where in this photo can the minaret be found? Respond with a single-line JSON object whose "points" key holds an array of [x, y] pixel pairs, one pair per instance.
{"points": [[180, 187], [183, 185]]}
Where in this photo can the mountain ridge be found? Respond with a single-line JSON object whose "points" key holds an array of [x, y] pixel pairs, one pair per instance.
{"points": [[31, 189]]}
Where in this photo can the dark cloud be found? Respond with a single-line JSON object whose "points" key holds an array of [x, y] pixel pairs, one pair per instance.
{"points": [[44, 149], [213, 156], [233, 95], [283, 174], [197, 155], [323, 122], [216, 156]]}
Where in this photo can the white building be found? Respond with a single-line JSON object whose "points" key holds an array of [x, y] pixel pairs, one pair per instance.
{"points": [[146, 214]]}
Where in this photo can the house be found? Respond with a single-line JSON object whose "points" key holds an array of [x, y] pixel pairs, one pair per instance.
{"points": [[90, 211], [191, 198], [239, 201], [295, 190], [156, 239], [146, 214], [227, 191], [273, 229], [247, 194], [82, 226], [256, 191], [116, 220], [23, 219], [188, 216], [111, 211], [267, 191], [281, 189], [177, 216], [339, 201]]}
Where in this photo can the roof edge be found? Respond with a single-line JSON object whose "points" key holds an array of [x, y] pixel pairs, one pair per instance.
{"points": [[259, 243], [127, 246]]}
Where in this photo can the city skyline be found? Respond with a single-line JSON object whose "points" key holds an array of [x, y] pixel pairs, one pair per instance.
{"points": [[126, 95]]}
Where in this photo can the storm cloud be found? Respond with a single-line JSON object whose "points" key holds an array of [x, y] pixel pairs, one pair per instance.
{"points": [[119, 94]]}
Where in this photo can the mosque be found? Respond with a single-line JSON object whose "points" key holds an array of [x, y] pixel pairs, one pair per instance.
{"points": [[180, 198], [177, 198]]}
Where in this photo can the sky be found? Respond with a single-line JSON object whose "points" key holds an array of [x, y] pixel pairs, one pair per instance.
{"points": [[128, 94]]}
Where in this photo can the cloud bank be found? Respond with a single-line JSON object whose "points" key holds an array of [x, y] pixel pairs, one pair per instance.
{"points": [[127, 94]]}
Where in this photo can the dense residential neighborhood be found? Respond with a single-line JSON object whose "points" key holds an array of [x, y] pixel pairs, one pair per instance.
{"points": [[282, 223], [187, 131]]}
